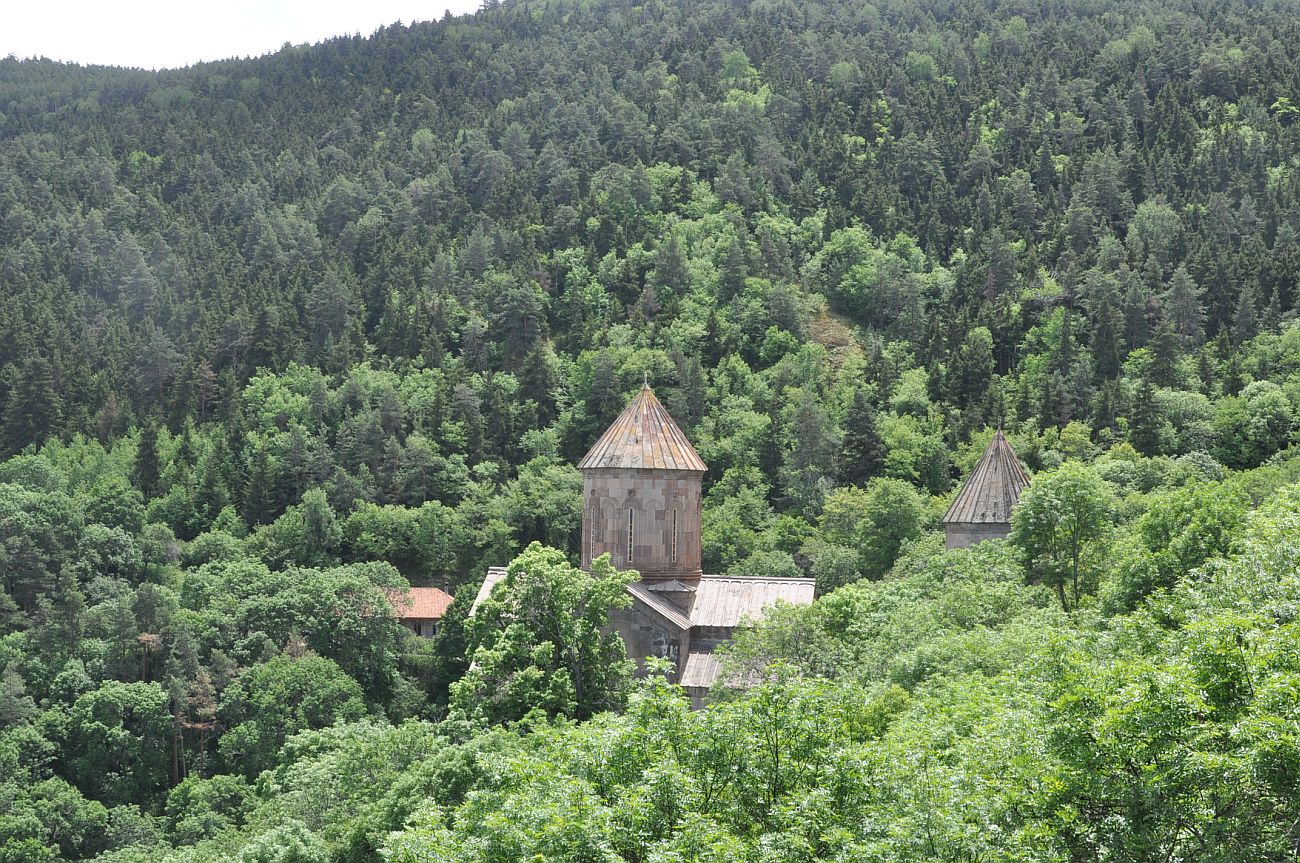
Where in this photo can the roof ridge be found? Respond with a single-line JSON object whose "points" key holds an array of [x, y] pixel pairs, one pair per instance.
{"points": [[771, 578]]}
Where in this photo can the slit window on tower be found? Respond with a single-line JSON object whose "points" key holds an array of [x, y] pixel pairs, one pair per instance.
{"points": [[591, 533], [631, 526], [674, 536]]}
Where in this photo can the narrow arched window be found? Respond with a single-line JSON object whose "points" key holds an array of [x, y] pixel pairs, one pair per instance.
{"points": [[674, 536], [631, 532], [593, 525]]}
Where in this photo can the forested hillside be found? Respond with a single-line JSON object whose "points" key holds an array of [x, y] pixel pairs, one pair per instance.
{"points": [[281, 335]]}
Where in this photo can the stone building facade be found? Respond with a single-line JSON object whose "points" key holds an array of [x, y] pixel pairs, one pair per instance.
{"points": [[641, 493], [647, 520]]}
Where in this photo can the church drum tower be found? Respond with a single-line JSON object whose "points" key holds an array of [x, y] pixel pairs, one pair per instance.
{"points": [[982, 509], [641, 496]]}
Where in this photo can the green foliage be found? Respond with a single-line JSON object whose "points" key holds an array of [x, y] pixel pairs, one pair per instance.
{"points": [[305, 535], [276, 700], [200, 808], [121, 733], [542, 642], [281, 335], [1179, 532], [1056, 526], [878, 521]]}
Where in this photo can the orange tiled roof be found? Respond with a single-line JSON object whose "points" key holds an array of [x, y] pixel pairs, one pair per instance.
{"points": [[993, 489], [643, 437], [419, 603]]}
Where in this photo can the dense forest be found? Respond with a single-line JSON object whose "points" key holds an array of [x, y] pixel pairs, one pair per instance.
{"points": [[281, 335]]}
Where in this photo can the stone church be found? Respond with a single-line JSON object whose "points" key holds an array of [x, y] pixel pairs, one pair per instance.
{"points": [[982, 509], [641, 490]]}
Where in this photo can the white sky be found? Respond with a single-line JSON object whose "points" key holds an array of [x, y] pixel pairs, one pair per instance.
{"points": [[156, 34]]}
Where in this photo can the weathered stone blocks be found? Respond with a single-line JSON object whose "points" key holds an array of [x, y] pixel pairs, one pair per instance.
{"points": [[658, 511]]}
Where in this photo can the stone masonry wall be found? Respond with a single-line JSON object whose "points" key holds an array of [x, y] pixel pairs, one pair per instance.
{"points": [[652, 496], [964, 535], [646, 634]]}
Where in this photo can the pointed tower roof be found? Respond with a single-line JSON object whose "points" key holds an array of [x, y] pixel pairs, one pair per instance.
{"points": [[993, 488], [643, 437]]}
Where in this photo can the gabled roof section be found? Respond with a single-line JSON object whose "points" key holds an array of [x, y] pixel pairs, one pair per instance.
{"points": [[495, 575], [993, 488], [725, 601], [659, 605], [701, 670], [643, 437], [419, 603]]}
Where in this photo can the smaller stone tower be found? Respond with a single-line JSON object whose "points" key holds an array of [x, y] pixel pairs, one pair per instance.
{"points": [[641, 496], [983, 507]]}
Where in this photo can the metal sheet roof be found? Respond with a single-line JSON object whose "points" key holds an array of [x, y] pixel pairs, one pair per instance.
{"points": [[494, 575], [670, 586], [993, 488], [643, 437], [659, 605], [725, 601], [701, 670]]}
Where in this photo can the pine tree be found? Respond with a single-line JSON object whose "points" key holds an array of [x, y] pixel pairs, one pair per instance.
{"points": [[862, 450], [1106, 406], [211, 496], [812, 445], [1165, 354], [1107, 352], [1245, 320], [34, 410], [536, 382], [1144, 424], [972, 369], [670, 266], [1272, 317], [148, 467], [259, 491], [108, 419], [1184, 308], [1206, 370], [733, 268], [1136, 326]]}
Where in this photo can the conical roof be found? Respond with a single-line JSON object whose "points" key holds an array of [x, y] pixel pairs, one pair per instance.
{"points": [[993, 488], [643, 437]]}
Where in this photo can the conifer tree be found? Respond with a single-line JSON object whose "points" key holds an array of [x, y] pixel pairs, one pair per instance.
{"points": [[1144, 423], [1107, 352], [1272, 317], [34, 410], [1245, 320], [259, 491], [1165, 354], [1184, 307], [148, 467], [733, 268], [1136, 326], [862, 450], [670, 266]]}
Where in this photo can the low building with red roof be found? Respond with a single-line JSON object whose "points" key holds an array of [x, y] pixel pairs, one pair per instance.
{"points": [[420, 608]]}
